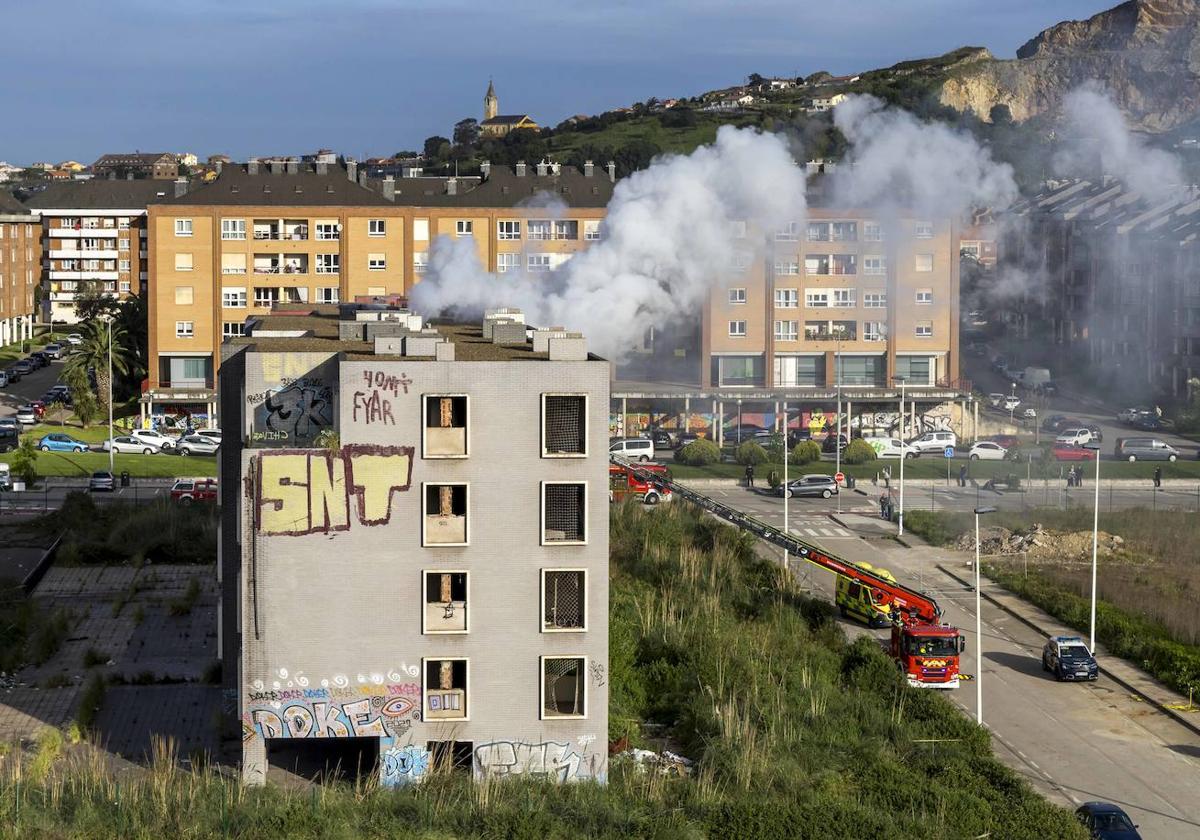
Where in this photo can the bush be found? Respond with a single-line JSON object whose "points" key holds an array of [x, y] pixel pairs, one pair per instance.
{"points": [[773, 479], [806, 452], [858, 452], [699, 453], [750, 453], [24, 461]]}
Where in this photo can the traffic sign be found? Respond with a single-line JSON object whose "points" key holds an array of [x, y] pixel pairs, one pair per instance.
{"points": [[839, 477], [949, 453]]}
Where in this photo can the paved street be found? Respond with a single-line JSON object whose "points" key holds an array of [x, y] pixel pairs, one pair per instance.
{"points": [[1074, 742], [30, 387]]}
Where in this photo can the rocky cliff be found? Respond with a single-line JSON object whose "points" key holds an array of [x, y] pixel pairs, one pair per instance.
{"points": [[1145, 52]]}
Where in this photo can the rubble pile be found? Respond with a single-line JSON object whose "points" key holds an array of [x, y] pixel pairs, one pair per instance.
{"points": [[1038, 542]]}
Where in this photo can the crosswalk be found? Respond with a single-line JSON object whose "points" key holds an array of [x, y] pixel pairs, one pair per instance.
{"points": [[827, 531]]}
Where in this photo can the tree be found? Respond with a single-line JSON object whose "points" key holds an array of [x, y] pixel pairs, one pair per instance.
{"points": [[24, 461], [93, 353], [93, 306], [755, 79], [466, 132], [83, 399], [434, 147]]}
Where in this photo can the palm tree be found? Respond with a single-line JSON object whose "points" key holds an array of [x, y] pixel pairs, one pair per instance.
{"points": [[93, 354]]}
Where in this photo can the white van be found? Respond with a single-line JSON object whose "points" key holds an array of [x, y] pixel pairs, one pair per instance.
{"points": [[890, 447], [935, 442], [634, 449]]}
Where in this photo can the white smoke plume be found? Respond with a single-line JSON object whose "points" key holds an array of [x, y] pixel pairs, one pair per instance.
{"points": [[669, 238], [1094, 126]]}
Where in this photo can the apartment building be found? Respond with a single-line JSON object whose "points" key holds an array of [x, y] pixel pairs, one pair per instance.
{"points": [[295, 234], [20, 259], [161, 166], [93, 236], [433, 587], [845, 297]]}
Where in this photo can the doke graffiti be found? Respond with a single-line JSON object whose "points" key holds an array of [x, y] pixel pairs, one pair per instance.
{"points": [[333, 712], [305, 492], [562, 762], [402, 765]]}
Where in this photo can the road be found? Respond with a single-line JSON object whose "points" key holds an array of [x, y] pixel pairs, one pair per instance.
{"points": [[1073, 742], [51, 496], [30, 387]]}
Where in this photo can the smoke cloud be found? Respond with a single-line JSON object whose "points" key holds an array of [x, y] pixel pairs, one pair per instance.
{"points": [[669, 238]]}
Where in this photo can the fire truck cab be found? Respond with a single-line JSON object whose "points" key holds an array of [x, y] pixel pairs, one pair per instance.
{"points": [[928, 654], [623, 481]]}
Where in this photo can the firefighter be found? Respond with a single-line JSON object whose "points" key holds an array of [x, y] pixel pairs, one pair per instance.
{"points": [[749, 475]]}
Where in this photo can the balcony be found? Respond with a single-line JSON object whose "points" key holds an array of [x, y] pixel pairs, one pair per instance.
{"points": [[286, 230], [84, 254], [83, 275], [831, 331], [831, 265], [285, 264]]}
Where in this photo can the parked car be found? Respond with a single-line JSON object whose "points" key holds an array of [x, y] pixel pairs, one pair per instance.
{"points": [[10, 423], [54, 351], [75, 339], [810, 485], [889, 447], [1049, 388], [1144, 449], [685, 438], [61, 442], [51, 397], [27, 415], [23, 367], [38, 359], [1105, 821], [986, 450], [934, 442], [12, 374], [5, 477], [210, 432], [1097, 434], [661, 437], [1147, 422], [9, 438], [797, 436], [1058, 422], [1072, 452], [833, 443], [153, 438], [200, 445], [1128, 415], [1012, 403], [102, 481], [1005, 441], [126, 444], [186, 490], [1068, 658], [3, 379], [635, 449], [995, 400], [1077, 436], [1029, 413]]}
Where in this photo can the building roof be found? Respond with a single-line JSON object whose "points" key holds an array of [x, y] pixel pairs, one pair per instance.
{"points": [[133, 159], [101, 194], [10, 206], [304, 188], [507, 119]]}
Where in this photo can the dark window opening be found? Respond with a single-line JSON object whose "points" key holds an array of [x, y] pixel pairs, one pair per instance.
{"points": [[564, 512], [565, 425], [563, 686], [563, 608], [445, 514], [325, 759], [445, 602], [447, 756], [445, 426]]}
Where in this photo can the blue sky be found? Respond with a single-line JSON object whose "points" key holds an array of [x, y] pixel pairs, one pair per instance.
{"points": [[370, 77]]}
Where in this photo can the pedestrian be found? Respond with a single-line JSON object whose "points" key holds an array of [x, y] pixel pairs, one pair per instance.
{"points": [[1157, 477], [962, 476], [1079, 476], [883, 506], [1071, 477], [749, 475]]}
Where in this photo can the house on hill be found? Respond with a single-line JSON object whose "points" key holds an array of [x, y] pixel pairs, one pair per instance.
{"points": [[496, 124]]}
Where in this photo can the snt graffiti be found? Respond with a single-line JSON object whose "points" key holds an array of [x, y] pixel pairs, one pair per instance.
{"points": [[305, 492]]}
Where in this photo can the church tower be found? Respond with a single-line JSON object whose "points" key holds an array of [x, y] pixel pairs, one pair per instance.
{"points": [[491, 105]]}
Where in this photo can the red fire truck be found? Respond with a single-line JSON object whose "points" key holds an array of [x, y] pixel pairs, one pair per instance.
{"points": [[647, 482]]}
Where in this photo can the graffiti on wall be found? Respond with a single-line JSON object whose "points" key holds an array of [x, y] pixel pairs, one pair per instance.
{"points": [[551, 759], [373, 404], [292, 707], [402, 765], [937, 419], [306, 492]]}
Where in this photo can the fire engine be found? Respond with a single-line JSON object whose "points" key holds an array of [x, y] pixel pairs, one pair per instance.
{"points": [[648, 483], [925, 649]]}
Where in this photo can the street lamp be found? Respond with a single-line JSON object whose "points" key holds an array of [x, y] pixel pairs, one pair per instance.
{"points": [[110, 396], [979, 511], [903, 455], [1012, 402], [787, 490], [837, 439], [1095, 447]]}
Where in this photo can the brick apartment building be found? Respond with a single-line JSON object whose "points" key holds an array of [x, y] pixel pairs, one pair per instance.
{"points": [[93, 236], [433, 586], [158, 165], [20, 260]]}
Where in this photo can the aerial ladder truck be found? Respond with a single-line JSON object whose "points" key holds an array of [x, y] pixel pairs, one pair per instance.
{"points": [[925, 649]]}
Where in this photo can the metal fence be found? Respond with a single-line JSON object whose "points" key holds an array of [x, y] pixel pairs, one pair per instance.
{"points": [[50, 497]]}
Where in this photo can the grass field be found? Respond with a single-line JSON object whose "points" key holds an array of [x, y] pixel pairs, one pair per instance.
{"points": [[647, 129]]}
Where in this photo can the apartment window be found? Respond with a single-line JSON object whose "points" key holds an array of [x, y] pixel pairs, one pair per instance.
{"points": [[327, 294], [445, 689], [924, 296], [737, 296], [183, 227], [123, 223], [265, 295], [376, 262], [818, 231], [420, 262], [233, 298], [508, 230], [787, 268], [737, 328], [183, 262], [874, 265], [916, 370], [564, 600], [923, 230], [233, 263], [445, 430], [184, 329], [566, 229], [464, 227], [739, 262], [123, 265], [564, 687], [844, 231], [445, 514], [508, 262], [787, 298], [875, 300], [591, 230], [328, 231], [328, 263], [872, 232], [539, 229], [816, 264], [183, 295], [122, 244], [233, 228], [421, 229], [845, 297], [816, 300], [873, 331], [564, 512], [232, 329], [785, 331], [445, 602], [377, 227], [924, 262], [539, 262], [788, 233], [924, 329], [564, 425], [69, 223]]}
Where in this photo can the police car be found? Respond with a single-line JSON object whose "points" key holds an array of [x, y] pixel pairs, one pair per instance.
{"points": [[1068, 658]]}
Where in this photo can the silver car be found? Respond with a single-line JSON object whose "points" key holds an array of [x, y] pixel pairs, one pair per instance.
{"points": [[197, 445], [127, 444]]}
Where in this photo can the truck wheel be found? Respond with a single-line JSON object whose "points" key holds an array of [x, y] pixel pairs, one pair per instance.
{"points": [[651, 499], [185, 500]]}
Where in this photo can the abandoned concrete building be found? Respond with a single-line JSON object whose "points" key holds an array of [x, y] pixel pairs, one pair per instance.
{"points": [[414, 556]]}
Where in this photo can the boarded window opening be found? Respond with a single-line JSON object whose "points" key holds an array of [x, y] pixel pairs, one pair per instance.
{"points": [[445, 602], [445, 426], [447, 756], [563, 605], [564, 513], [563, 686], [445, 689], [445, 514], [565, 425]]}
